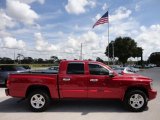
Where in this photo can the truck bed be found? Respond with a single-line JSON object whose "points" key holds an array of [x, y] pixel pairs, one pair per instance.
{"points": [[19, 83]]}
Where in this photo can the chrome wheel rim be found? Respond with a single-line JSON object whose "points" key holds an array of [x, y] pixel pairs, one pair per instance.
{"points": [[136, 101], [37, 101]]}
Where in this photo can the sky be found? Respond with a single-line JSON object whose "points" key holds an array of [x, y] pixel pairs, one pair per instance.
{"points": [[44, 28]]}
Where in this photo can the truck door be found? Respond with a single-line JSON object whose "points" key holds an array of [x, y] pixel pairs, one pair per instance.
{"points": [[99, 82], [73, 84]]}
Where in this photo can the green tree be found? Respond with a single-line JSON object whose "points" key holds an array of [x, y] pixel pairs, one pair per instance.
{"points": [[27, 60], [6, 60], [124, 48], [39, 60], [99, 59], [154, 58], [137, 52], [54, 59], [19, 58]]}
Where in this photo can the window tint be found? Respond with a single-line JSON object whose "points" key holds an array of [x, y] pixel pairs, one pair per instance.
{"points": [[95, 69], [75, 68]]}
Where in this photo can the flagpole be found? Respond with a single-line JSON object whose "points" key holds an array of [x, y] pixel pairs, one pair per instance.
{"points": [[103, 20], [108, 36]]}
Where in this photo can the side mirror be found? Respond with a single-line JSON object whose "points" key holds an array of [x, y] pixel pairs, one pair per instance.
{"points": [[111, 74]]}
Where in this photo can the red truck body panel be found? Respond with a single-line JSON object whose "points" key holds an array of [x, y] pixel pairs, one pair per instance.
{"points": [[63, 85], [19, 83]]}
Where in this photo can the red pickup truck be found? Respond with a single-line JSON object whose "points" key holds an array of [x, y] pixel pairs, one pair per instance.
{"points": [[81, 80]]}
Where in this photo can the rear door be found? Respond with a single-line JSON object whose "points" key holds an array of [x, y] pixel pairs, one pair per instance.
{"points": [[73, 83]]}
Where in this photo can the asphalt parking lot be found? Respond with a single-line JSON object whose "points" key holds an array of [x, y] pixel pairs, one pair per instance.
{"points": [[11, 109]]}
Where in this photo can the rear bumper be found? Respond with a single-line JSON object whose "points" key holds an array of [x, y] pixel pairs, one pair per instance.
{"points": [[7, 92], [152, 94]]}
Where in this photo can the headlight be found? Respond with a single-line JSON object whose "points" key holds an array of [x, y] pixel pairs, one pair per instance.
{"points": [[151, 85]]}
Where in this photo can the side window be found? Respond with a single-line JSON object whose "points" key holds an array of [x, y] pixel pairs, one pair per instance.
{"points": [[96, 69], [75, 68]]}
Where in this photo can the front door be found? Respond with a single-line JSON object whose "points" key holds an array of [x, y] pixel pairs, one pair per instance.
{"points": [[99, 82], [73, 84]]}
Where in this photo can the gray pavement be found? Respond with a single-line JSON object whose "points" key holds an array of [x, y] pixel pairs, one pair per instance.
{"points": [[10, 109]]}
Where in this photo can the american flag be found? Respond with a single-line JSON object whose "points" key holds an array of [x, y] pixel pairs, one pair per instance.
{"points": [[102, 20]]}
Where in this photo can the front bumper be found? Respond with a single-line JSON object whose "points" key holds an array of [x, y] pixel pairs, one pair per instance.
{"points": [[152, 94], [7, 92]]}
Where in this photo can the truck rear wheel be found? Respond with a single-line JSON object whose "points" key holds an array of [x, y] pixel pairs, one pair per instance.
{"points": [[136, 100], [38, 100]]}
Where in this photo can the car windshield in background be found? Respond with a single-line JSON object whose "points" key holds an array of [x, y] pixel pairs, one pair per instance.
{"points": [[26, 67], [119, 68], [19, 68], [56, 68]]}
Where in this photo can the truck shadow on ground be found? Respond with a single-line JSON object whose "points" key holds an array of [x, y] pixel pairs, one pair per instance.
{"points": [[12, 105]]}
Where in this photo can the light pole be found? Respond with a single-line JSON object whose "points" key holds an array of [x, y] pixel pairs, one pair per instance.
{"points": [[14, 56], [113, 51], [81, 52]]}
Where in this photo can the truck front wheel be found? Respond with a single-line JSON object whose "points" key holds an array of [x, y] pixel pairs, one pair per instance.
{"points": [[136, 100], [38, 100]]}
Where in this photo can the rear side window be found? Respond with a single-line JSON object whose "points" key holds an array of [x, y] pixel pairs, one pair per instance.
{"points": [[96, 69], [75, 68]]}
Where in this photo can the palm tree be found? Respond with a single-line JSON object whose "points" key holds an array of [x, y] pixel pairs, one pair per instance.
{"points": [[19, 57]]}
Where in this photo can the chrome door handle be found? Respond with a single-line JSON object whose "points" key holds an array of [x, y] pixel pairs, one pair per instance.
{"points": [[94, 80], [66, 79]]}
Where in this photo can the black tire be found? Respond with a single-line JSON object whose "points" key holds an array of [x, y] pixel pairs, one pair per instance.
{"points": [[42, 99], [133, 103]]}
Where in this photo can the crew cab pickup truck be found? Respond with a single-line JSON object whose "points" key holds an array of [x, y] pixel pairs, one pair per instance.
{"points": [[81, 80]]}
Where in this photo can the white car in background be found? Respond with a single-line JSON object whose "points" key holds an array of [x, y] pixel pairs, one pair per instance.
{"points": [[134, 69], [124, 70]]}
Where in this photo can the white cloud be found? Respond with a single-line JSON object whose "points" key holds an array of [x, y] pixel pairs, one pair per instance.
{"points": [[4, 33], [31, 1], [119, 14], [104, 7], [42, 44], [92, 3], [148, 39], [79, 6], [137, 7], [126, 28], [90, 42], [69, 48], [89, 37], [6, 21], [51, 15], [98, 16], [21, 12], [11, 42]]}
